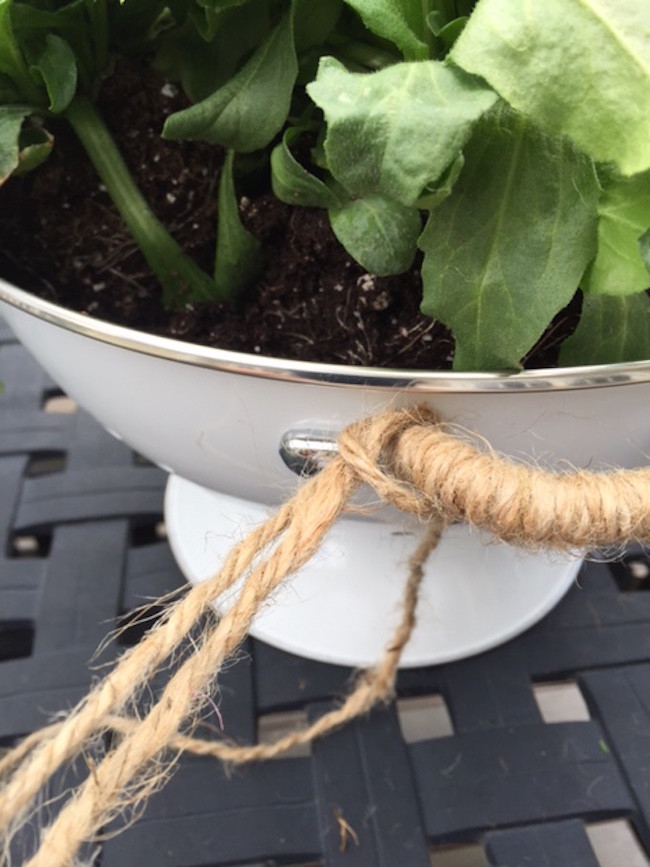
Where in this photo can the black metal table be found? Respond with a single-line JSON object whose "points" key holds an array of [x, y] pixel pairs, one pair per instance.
{"points": [[79, 520]]}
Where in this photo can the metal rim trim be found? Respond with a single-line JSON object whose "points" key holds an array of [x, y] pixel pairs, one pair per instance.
{"points": [[597, 376]]}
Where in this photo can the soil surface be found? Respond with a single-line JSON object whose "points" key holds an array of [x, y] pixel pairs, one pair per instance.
{"points": [[61, 237]]}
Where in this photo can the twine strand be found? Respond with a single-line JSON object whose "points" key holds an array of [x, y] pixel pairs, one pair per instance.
{"points": [[372, 687], [135, 667], [412, 462], [88, 721], [95, 801], [518, 503]]}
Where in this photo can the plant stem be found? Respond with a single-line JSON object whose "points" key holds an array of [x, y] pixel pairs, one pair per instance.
{"points": [[426, 35], [99, 23], [181, 279]]}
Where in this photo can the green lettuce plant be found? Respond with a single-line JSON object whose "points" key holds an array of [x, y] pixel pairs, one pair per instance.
{"points": [[508, 142]]}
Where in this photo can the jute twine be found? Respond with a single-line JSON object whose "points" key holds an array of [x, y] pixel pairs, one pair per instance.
{"points": [[412, 462]]}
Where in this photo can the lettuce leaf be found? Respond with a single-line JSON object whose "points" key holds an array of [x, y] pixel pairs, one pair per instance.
{"points": [[577, 67], [506, 250]]}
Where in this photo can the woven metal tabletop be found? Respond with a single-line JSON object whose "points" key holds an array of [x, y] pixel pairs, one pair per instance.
{"points": [[471, 766]]}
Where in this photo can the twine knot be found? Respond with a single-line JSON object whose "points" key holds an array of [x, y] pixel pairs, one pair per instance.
{"points": [[369, 448], [412, 461]]}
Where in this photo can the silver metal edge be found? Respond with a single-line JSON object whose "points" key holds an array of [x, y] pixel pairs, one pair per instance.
{"points": [[245, 364]]}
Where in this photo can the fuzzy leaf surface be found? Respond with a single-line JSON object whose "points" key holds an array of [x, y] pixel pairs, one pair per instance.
{"points": [[611, 329], [438, 192], [247, 112], [380, 234], [505, 251], [394, 132], [624, 214], [402, 22], [577, 67], [644, 246]]}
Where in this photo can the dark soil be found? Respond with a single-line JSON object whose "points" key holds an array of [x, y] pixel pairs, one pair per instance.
{"points": [[61, 238]]}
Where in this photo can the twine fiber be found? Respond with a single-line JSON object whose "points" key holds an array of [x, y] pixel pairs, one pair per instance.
{"points": [[412, 462]]}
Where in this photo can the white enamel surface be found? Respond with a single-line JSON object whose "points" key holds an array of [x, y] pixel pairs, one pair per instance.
{"points": [[344, 605], [221, 429]]}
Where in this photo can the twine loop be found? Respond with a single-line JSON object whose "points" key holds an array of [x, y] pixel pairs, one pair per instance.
{"points": [[412, 462]]}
